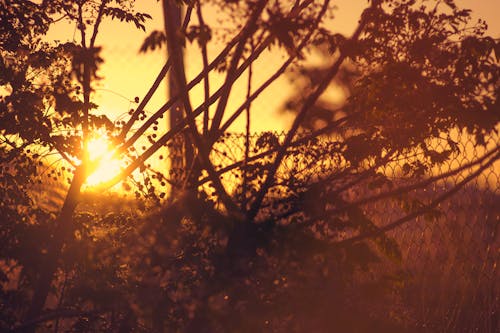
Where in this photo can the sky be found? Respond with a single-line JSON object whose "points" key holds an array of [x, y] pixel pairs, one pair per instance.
{"points": [[128, 74]]}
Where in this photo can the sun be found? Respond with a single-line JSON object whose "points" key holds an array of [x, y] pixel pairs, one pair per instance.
{"points": [[100, 149]]}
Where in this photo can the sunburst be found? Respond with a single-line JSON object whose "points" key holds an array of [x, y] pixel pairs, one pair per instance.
{"points": [[100, 150]]}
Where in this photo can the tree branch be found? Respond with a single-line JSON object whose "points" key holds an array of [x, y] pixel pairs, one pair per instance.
{"points": [[421, 211], [231, 77], [140, 108], [308, 104], [97, 23], [206, 82], [278, 73], [203, 153]]}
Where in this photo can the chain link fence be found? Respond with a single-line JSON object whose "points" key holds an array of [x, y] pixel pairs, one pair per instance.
{"points": [[449, 259], [449, 265]]}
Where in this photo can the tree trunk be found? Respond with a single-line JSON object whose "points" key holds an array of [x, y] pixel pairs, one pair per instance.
{"points": [[61, 233], [181, 153]]}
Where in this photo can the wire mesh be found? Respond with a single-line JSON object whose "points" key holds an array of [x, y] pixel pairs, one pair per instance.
{"points": [[449, 257]]}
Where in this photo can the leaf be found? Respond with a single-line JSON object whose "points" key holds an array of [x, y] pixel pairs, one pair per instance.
{"points": [[137, 18], [202, 34], [156, 39], [453, 145], [358, 148], [438, 157], [284, 29], [451, 4], [101, 121], [406, 169], [267, 140], [65, 104]]}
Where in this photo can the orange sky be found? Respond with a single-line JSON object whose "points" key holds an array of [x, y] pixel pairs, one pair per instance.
{"points": [[128, 74]]}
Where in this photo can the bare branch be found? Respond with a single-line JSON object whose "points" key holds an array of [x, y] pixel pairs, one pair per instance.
{"points": [[97, 22], [137, 134], [423, 210], [426, 182], [203, 152], [206, 82], [278, 72], [249, 28], [297, 122], [145, 100]]}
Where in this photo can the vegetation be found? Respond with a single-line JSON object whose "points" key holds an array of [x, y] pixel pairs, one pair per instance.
{"points": [[261, 241]]}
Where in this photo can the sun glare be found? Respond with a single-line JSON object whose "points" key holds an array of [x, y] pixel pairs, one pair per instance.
{"points": [[100, 148]]}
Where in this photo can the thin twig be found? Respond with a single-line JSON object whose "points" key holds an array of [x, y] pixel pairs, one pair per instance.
{"points": [[250, 27], [140, 108], [421, 211], [247, 136], [206, 82], [308, 104]]}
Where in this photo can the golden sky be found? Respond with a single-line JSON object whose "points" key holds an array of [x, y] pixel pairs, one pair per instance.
{"points": [[128, 74]]}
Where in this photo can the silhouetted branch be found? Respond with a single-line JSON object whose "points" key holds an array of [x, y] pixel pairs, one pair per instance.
{"points": [[140, 108], [308, 104], [249, 28], [278, 73], [428, 181], [419, 212], [206, 82]]}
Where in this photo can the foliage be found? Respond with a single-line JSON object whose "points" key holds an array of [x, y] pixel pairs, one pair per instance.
{"points": [[245, 254]]}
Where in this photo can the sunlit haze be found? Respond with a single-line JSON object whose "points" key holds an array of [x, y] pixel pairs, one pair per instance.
{"points": [[314, 166], [101, 150]]}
